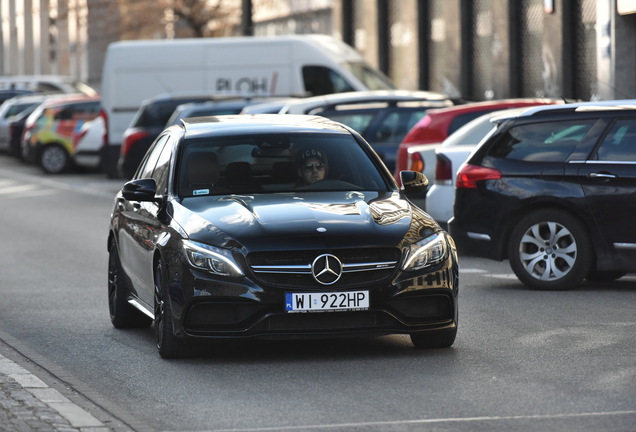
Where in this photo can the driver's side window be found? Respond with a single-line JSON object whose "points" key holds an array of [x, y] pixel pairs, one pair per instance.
{"points": [[148, 164]]}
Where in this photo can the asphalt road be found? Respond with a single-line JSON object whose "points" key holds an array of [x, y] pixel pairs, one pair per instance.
{"points": [[523, 360]]}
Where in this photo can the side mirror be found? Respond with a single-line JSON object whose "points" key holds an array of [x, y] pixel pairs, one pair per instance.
{"points": [[413, 182], [140, 190]]}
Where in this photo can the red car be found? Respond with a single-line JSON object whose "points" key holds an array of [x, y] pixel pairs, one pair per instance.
{"points": [[437, 124]]}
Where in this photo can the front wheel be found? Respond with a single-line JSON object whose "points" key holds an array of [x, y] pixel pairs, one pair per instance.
{"points": [[54, 159], [122, 314], [550, 250], [168, 345]]}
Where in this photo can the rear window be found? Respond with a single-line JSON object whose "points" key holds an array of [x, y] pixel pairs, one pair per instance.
{"points": [[541, 142]]}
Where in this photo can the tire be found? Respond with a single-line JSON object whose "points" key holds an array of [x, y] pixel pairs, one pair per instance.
{"points": [[168, 345], [550, 250], [438, 339], [122, 314], [605, 276], [54, 159]]}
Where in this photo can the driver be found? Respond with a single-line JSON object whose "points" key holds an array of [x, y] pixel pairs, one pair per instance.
{"points": [[311, 166]]}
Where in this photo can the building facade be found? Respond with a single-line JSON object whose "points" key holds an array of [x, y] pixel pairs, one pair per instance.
{"points": [[473, 49]]}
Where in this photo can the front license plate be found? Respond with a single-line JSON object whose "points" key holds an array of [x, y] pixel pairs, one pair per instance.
{"points": [[322, 302]]}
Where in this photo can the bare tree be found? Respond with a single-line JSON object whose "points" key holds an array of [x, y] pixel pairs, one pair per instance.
{"points": [[143, 19], [205, 18]]}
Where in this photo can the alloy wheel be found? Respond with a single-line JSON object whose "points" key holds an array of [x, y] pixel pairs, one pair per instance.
{"points": [[54, 159], [548, 251]]}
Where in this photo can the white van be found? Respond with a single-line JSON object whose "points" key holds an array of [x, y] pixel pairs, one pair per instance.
{"points": [[46, 84], [300, 65]]}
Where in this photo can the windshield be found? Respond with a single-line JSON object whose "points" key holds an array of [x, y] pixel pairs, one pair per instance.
{"points": [[370, 77], [276, 163]]}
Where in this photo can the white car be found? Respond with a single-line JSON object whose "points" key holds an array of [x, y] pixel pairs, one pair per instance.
{"points": [[315, 104], [448, 156], [88, 141]]}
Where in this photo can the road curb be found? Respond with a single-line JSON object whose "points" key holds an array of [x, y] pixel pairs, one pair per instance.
{"points": [[35, 393], [77, 417]]}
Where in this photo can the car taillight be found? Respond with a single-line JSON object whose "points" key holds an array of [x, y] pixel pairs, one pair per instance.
{"points": [[443, 169], [103, 115], [130, 140], [416, 163], [468, 175]]}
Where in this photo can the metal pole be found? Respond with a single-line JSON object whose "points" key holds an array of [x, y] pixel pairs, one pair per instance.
{"points": [[247, 26]]}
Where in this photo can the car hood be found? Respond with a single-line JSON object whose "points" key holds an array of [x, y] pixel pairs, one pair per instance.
{"points": [[315, 220]]}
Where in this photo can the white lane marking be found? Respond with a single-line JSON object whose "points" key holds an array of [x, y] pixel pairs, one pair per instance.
{"points": [[503, 276], [471, 270], [17, 189], [432, 421]]}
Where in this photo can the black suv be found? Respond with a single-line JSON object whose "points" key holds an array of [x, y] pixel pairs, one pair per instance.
{"points": [[554, 191]]}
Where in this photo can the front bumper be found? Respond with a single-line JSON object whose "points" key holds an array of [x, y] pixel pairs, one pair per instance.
{"points": [[206, 307]]}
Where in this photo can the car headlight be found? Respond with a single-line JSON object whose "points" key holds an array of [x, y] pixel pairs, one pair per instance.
{"points": [[426, 252], [212, 259]]}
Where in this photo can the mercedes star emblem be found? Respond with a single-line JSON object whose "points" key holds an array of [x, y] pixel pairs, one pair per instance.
{"points": [[326, 269]]}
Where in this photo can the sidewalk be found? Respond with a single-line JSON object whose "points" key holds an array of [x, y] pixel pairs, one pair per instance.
{"points": [[27, 404]]}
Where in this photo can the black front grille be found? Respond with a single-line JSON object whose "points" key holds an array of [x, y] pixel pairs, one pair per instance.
{"points": [[300, 261], [220, 315], [327, 321]]}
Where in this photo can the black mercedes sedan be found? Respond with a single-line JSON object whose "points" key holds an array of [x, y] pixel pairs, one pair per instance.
{"points": [[271, 226]]}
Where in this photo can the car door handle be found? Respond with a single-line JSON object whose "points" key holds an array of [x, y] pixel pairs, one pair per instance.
{"points": [[602, 175]]}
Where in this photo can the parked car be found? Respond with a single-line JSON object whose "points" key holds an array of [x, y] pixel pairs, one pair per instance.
{"points": [[448, 157], [46, 84], [213, 108], [12, 107], [48, 133], [17, 123], [552, 191], [438, 124], [271, 107], [382, 117], [15, 131], [87, 142], [151, 118], [217, 236], [11, 93]]}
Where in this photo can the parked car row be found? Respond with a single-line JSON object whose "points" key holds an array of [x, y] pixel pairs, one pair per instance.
{"points": [[38, 123], [550, 188]]}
